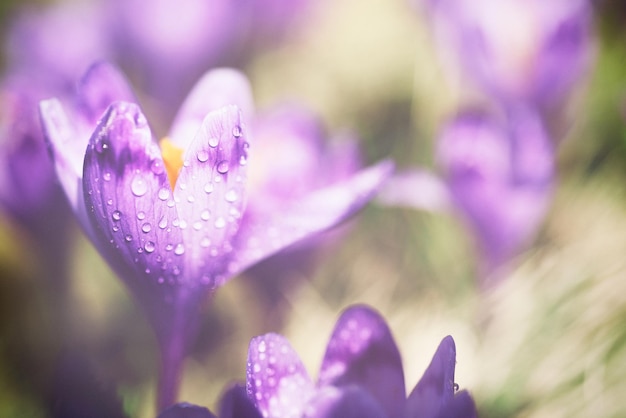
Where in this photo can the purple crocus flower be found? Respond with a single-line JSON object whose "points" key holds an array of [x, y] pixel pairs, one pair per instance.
{"points": [[172, 221], [58, 42], [361, 376], [529, 50], [500, 176], [497, 175]]}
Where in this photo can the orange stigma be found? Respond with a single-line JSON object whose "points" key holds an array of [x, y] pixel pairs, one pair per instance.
{"points": [[172, 158]]}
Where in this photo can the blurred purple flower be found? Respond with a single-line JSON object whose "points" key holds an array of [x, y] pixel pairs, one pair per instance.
{"points": [[500, 176], [59, 42], [529, 50], [160, 41], [361, 376], [172, 222]]}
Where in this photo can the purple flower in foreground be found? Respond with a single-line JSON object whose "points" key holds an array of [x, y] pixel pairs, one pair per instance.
{"points": [[172, 221], [361, 376], [529, 50]]}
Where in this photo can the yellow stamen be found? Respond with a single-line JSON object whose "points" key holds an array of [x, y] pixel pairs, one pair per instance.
{"points": [[172, 158]]}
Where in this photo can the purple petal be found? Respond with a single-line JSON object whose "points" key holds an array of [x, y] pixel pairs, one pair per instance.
{"points": [[186, 410], [67, 148], [102, 85], [345, 402], [435, 389], [362, 352], [276, 379], [418, 189], [210, 190], [264, 234], [128, 197], [236, 404], [216, 89], [462, 406]]}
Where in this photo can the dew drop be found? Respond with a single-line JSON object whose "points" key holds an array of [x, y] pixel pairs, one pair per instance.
{"points": [[213, 142], [182, 224], [102, 145], [116, 215], [116, 228], [220, 223], [222, 167], [208, 188], [141, 215], [203, 155], [149, 247], [163, 194], [169, 247], [146, 227], [205, 215], [128, 238], [163, 223], [243, 160], [231, 196], [237, 132], [170, 204], [179, 250], [107, 176], [205, 242], [157, 167], [191, 199], [197, 225], [139, 186], [161, 280], [110, 202]]}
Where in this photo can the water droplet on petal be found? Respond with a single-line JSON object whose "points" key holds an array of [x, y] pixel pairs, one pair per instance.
{"points": [[163, 193], [220, 223], [231, 196], [205, 242], [141, 215], [197, 225], [107, 176], [208, 188], [169, 247], [102, 145], [205, 215], [109, 202], [146, 227], [182, 224], [128, 238], [243, 160], [163, 223], [116, 215], [237, 132], [139, 186], [191, 199], [203, 155], [149, 246], [157, 167], [222, 167], [213, 142], [179, 250], [116, 228]]}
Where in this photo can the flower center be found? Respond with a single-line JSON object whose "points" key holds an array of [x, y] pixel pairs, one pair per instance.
{"points": [[172, 158]]}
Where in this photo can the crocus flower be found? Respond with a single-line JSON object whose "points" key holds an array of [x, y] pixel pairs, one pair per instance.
{"points": [[361, 376], [172, 221], [500, 176], [163, 40], [497, 175], [58, 42], [529, 50]]}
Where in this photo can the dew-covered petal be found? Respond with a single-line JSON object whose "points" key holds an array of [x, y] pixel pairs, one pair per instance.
{"points": [[417, 189], [67, 149], [264, 234], [102, 85], [276, 379], [128, 197], [186, 410], [362, 352], [436, 387], [236, 404], [345, 402], [216, 89], [210, 191]]}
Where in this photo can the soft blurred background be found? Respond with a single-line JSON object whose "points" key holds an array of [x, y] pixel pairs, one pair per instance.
{"points": [[547, 339]]}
